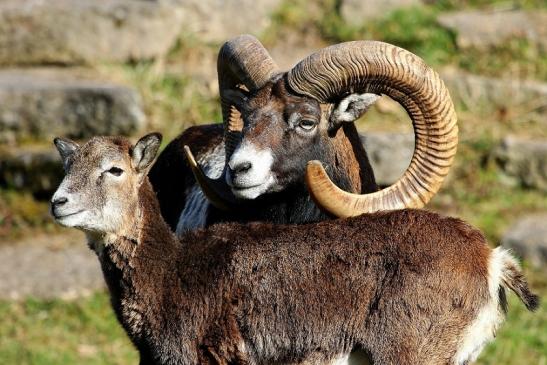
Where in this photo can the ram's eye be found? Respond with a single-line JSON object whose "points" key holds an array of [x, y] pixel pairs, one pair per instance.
{"points": [[116, 171], [306, 124]]}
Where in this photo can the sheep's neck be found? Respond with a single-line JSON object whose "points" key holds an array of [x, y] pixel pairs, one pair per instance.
{"points": [[136, 263]]}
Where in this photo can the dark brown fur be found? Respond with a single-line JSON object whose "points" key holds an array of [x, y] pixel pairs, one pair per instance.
{"points": [[401, 285]]}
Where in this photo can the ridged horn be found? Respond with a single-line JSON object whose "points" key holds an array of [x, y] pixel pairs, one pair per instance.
{"points": [[242, 62], [216, 191], [381, 68]]}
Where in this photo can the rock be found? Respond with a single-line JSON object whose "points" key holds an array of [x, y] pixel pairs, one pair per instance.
{"points": [[389, 154], [40, 105], [35, 169], [517, 99], [49, 266], [482, 30], [523, 160], [356, 12], [82, 31], [215, 21], [292, 48], [528, 238]]}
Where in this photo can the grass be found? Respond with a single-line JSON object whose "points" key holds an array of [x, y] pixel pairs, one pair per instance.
{"points": [[58, 332], [86, 332]]}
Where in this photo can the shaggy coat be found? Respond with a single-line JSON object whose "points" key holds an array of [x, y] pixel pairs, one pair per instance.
{"points": [[405, 286]]}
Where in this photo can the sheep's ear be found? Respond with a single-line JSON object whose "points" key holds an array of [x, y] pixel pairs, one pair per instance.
{"points": [[66, 148], [351, 108], [145, 151]]}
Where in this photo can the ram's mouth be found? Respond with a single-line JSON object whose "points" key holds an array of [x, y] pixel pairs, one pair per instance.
{"points": [[250, 190], [238, 187]]}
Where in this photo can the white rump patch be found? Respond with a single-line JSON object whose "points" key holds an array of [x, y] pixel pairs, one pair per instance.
{"points": [[483, 329]]}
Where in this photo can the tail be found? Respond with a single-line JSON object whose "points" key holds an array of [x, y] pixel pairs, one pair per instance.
{"points": [[512, 277]]}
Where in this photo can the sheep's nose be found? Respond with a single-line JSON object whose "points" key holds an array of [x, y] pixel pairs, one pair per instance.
{"points": [[58, 201], [241, 167]]}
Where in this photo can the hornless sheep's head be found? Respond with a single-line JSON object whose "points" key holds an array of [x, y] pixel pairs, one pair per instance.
{"points": [[99, 193], [275, 122]]}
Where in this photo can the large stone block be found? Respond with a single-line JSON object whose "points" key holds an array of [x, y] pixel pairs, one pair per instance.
{"points": [[484, 96], [49, 266], [389, 154], [528, 238], [36, 105], [83, 31], [37, 169], [218, 20], [482, 30], [524, 161], [356, 12]]}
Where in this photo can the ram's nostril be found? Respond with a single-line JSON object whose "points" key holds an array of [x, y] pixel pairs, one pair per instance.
{"points": [[59, 201], [242, 167]]}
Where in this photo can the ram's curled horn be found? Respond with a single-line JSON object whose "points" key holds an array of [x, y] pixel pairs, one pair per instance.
{"points": [[376, 67], [242, 62]]}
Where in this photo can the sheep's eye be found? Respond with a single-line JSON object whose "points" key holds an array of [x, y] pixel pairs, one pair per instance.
{"points": [[116, 171], [306, 124]]}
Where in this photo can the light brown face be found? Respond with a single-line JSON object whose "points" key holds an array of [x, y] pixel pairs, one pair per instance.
{"points": [[99, 191]]}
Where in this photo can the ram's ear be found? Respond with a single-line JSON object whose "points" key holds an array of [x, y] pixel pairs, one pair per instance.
{"points": [[237, 97], [351, 108], [144, 152], [66, 148]]}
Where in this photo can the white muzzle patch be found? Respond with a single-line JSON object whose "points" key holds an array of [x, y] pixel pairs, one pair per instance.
{"points": [[257, 179], [70, 213]]}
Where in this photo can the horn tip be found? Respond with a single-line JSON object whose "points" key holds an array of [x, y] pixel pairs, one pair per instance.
{"points": [[315, 163], [315, 168], [190, 155]]}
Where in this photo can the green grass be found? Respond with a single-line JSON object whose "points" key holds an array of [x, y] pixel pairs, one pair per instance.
{"points": [[57, 332], [86, 332]]}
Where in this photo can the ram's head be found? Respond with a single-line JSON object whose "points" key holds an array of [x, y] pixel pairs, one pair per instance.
{"points": [[277, 122]]}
